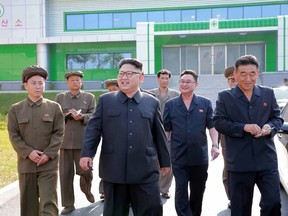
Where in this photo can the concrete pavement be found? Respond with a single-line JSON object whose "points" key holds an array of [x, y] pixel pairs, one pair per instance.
{"points": [[214, 202]]}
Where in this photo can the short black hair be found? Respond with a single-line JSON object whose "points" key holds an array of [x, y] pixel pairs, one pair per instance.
{"points": [[162, 72], [191, 72], [131, 61], [247, 60]]}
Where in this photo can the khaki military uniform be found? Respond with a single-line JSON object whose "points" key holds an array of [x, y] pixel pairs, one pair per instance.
{"points": [[72, 143], [165, 181], [37, 126]]}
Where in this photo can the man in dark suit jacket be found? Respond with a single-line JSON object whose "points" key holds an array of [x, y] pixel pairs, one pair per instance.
{"points": [[249, 117], [186, 119], [133, 142]]}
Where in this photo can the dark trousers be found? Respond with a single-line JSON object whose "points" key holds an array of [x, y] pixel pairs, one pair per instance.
{"points": [[38, 193], [241, 186], [196, 176], [144, 198]]}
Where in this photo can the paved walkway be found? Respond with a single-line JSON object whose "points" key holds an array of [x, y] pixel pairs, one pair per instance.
{"points": [[214, 203]]}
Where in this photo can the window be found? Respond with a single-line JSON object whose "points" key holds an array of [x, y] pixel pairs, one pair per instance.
{"points": [[209, 58], [284, 9], [94, 21], [121, 20], [235, 13], [172, 16], [105, 21], [74, 62], [118, 56], [91, 21], [203, 14], [188, 15], [75, 22], [270, 10], [94, 60], [219, 13], [156, 16], [252, 12], [138, 17]]}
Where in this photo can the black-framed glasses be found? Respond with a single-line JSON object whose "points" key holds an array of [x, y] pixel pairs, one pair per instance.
{"points": [[128, 74], [182, 81]]}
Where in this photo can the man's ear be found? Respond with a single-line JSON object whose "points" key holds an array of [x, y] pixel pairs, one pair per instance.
{"points": [[141, 78], [25, 85]]}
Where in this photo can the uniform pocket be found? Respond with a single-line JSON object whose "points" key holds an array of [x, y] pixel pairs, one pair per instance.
{"points": [[23, 121], [147, 115], [47, 119]]}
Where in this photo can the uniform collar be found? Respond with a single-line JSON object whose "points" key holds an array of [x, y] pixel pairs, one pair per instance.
{"points": [[194, 100], [238, 92], [32, 103], [72, 96], [123, 97]]}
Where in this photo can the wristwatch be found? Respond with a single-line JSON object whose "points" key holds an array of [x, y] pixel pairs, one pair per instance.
{"points": [[215, 145]]}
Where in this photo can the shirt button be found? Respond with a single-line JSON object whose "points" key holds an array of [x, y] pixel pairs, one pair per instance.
{"points": [[130, 121], [130, 134], [130, 147], [130, 110]]}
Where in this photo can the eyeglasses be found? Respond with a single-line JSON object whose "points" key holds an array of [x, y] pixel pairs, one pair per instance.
{"points": [[231, 78], [128, 74], [186, 81]]}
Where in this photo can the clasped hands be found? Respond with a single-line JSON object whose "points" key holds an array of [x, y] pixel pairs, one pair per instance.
{"points": [[38, 157], [76, 114], [255, 130]]}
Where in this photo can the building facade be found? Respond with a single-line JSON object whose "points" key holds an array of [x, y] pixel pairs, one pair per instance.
{"points": [[92, 36]]}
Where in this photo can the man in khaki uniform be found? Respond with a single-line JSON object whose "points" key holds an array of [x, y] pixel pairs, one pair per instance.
{"points": [[36, 128], [164, 93], [228, 73], [77, 106]]}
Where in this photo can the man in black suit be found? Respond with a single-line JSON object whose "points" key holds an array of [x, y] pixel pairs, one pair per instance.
{"points": [[249, 117], [133, 143]]}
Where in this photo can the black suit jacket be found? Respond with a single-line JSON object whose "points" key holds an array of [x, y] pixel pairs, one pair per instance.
{"points": [[133, 138], [233, 110]]}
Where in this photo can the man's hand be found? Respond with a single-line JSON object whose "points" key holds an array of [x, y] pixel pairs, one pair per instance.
{"points": [[86, 163], [165, 170], [44, 158], [214, 153], [35, 156], [76, 114], [266, 130], [253, 129]]}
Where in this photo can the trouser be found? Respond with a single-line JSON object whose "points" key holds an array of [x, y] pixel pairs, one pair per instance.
{"points": [[69, 161], [101, 189], [225, 170], [241, 186], [38, 193], [144, 199], [166, 181], [196, 176]]}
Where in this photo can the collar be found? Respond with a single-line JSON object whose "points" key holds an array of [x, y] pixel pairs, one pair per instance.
{"points": [[32, 103], [72, 96], [180, 101], [238, 92], [123, 97]]}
